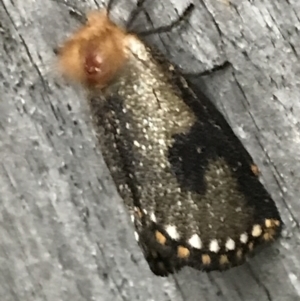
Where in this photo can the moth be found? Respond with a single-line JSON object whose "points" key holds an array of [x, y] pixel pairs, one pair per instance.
{"points": [[191, 187]]}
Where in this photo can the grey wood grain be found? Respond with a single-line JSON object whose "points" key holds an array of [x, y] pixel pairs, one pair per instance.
{"points": [[64, 232]]}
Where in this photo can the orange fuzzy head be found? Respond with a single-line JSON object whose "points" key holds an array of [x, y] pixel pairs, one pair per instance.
{"points": [[95, 53]]}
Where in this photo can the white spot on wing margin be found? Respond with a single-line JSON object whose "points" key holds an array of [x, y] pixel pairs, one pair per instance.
{"points": [[172, 231]]}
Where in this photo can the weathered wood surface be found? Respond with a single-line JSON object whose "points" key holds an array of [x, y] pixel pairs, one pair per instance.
{"points": [[64, 233]]}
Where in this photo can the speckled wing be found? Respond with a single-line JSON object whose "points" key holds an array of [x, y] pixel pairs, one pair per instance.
{"points": [[191, 187]]}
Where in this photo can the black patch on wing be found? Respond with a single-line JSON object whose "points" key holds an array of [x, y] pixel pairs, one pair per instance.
{"points": [[215, 138]]}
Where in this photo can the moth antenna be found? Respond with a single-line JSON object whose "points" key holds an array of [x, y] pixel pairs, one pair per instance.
{"points": [[109, 7], [134, 14], [77, 14], [74, 11], [166, 28]]}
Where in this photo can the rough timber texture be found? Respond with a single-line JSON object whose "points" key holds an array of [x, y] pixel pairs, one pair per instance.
{"points": [[64, 233]]}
